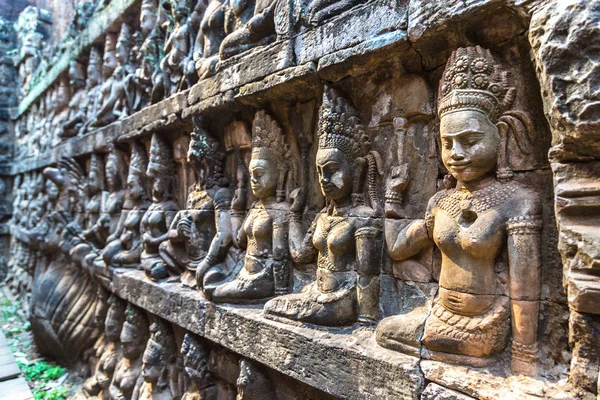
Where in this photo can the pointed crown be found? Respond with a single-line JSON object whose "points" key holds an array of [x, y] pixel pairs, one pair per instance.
{"points": [[110, 42], [474, 79], [267, 139], [95, 57], [157, 348], [125, 34], [161, 157], [340, 126], [139, 160]]}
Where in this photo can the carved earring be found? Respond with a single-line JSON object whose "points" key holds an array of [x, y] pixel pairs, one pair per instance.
{"points": [[503, 171], [358, 196], [280, 192]]}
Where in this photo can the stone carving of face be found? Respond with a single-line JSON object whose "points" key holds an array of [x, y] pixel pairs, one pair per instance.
{"points": [[470, 143], [180, 9], [112, 174], [151, 370], [160, 186], [131, 347], [148, 18], [135, 190], [51, 190], [122, 52], [263, 177], [114, 322], [93, 75], [94, 184], [336, 174], [110, 63]]}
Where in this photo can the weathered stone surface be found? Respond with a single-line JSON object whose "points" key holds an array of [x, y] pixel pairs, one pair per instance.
{"points": [[348, 357], [437, 392]]}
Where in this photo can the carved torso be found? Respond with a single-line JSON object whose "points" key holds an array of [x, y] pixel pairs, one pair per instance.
{"points": [[470, 230]]}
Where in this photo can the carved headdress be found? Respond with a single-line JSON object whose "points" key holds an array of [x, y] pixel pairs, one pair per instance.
{"points": [[135, 327], [269, 143], [125, 35], [267, 139], [161, 345], [115, 159], [161, 157], [110, 42], [473, 79], [139, 161], [97, 166], [203, 146], [340, 127], [95, 57]]}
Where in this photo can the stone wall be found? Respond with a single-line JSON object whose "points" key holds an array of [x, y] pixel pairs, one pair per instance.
{"points": [[281, 199]]}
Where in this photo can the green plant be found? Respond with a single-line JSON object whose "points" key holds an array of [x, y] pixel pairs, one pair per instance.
{"points": [[52, 394], [41, 371]]}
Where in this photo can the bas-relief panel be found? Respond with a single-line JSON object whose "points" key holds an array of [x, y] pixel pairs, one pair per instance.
{"points": [[385, 201]]}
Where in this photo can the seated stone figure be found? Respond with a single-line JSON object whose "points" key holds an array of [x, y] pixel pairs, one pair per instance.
{"points": [[200, 235], [127, 379], [344, 237], [210, 36], [485, 220], [264, 231], [256, 31], [178, 46], [159, 216], [158, 358], [109, 353], [126, 247]]}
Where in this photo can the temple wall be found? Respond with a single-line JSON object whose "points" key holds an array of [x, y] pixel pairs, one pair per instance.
{"points": [[281, 199]]}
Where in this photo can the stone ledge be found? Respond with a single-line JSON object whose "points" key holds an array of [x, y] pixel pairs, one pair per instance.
{"points": [[99, 24], [343, 362]]}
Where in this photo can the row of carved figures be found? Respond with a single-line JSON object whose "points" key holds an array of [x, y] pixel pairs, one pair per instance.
{"points": [[486, 225], [176, 44], [139, 356]]}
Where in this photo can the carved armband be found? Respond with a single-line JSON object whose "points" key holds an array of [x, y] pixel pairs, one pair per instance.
{"points": [[429, 224], [393, 197], [526, 225]]}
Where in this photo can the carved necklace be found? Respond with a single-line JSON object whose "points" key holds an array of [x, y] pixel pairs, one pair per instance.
{"points": [[463, 202]]}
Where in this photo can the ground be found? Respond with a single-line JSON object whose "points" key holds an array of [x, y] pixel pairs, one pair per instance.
{"points": [[47, 379]]}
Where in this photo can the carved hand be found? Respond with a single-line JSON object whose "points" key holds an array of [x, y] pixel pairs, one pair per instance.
{"points": [[184, 227], [298, 198]]}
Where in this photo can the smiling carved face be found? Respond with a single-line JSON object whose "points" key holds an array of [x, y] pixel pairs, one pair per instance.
{"points": [[470, 143], [335, 174], [263, 177]]}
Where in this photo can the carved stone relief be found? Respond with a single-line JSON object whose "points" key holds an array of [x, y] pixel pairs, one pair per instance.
{"points": [[416, 223]]}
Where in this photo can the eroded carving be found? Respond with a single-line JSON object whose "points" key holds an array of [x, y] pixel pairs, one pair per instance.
{"points": [[473, 224], [344, 237]]}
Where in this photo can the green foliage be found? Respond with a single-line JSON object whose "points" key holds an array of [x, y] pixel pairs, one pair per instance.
{"points": [[41, 371], [52, 394], [9, 310]]}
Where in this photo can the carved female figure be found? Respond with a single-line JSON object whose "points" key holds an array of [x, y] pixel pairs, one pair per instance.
{"points": [[157, 220], [149, 54], [201, 382], [344, 236], [210, 36], [264, 231], [70, 126], [113, 100], [159, 355], [485, 222], [177, 46], [127, 378], [125, 249], [200, 235], [255, 31], [109, 353]]}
